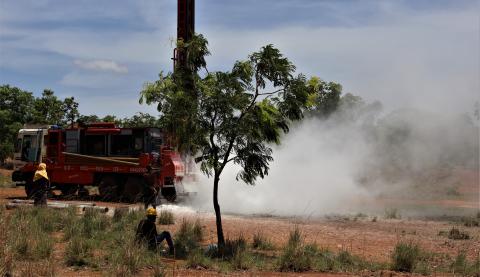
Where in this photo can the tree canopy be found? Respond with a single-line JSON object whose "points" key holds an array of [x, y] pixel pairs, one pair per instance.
{"points": [[235, 116]]}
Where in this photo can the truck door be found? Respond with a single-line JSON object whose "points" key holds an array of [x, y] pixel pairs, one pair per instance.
{"points": [[31, 146]]}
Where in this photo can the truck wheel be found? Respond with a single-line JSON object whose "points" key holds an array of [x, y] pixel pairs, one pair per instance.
{"points": [[132, 191], [108, 188], [169, 193], [83, 192], [68, 190]]}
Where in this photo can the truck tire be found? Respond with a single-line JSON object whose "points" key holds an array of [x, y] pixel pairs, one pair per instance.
{"points": [[132, 191], [108, 189], [169, 193], [68, 190], [83, 192]]}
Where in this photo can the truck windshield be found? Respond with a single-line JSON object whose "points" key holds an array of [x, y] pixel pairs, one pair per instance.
{"points": [[155, 138], [29, 148]]}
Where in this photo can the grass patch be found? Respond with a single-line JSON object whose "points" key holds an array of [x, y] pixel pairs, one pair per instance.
{"points": [[197, 260], [405, 256], [79, 252], [187, 238], [91, 225], [29, 233], [261, 242], [294, 257], [166, 218]]}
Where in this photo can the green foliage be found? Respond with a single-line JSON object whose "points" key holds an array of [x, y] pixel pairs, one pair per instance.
{"points": [[48, 109], [405, 256], [187, 238], [15, 110], [325, 98], [28, 234], [294, 256], [234, 246], [89, 226], [70, 110], [79, 252], [261, 242], [197, 260]]}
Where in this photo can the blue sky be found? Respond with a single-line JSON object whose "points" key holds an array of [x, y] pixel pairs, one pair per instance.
{"points": [[403, 53]]}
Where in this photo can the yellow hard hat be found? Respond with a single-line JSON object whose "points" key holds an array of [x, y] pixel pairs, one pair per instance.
{"points": [[151, 212]]}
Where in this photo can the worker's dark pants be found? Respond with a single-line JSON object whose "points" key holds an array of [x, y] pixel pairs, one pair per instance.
{"points": [[40, 197], [149, 200], [166, 236]]}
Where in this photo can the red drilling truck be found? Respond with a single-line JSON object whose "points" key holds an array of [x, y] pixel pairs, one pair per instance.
{"points": [[102, 155]]}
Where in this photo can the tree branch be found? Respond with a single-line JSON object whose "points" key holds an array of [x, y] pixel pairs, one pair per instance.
{"points": [[273, 92]]}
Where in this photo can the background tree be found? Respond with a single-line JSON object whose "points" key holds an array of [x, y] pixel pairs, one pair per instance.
{"points": [[140, 120], [109, 118], [234, 116], [88, 118], [326, 97], [15, 110], [48, 109], [70, 110]]}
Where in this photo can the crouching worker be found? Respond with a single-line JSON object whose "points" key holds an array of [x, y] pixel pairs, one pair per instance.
{"points": [[41, 185], [147, 232]]}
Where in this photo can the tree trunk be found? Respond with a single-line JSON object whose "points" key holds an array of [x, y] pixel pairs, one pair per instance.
{"points": [[221, 239]]}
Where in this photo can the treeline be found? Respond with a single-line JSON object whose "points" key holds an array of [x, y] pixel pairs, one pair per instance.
{"points": [[18, 107]]}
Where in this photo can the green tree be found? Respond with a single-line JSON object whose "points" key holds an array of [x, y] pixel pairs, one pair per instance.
{"points": [[70, 110], [110, 118], [230, 117], [15, 110], [48, 108], [140, 120], [326, 97], [88, 118]]}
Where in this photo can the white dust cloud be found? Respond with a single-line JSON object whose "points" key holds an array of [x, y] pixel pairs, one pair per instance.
{"points": [[339, 164]]}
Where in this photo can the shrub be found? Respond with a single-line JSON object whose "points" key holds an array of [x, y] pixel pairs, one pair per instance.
{"points": [[166, 218], [345, 258], [405, 256], [233, 246], [187, 238], [132, 258], [78, 252], [294, 257], [89, 226], [241, 260], [261, 242], [28, 237], [456, 234], [197, 260]]}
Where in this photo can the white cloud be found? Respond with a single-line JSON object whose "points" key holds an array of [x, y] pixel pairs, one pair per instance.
{"points": [[101, 65], [423, 61]]}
